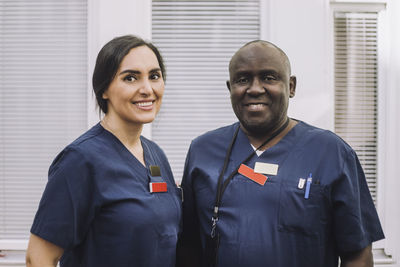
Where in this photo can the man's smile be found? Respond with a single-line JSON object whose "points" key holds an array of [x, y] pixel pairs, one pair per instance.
{"points": [[255, 106]]}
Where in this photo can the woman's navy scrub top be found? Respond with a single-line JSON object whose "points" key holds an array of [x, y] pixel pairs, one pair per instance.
{"points": [[277, 224], [98, 208]]}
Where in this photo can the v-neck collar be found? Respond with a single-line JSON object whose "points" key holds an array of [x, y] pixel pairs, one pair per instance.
{"points": [[242, 147], [127, 155]]}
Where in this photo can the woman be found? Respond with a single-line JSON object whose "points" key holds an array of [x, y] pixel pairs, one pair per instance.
{"points": [[111, 199]]}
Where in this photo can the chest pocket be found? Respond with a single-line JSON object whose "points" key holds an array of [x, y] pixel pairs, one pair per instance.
{"points": [[301, 216]]}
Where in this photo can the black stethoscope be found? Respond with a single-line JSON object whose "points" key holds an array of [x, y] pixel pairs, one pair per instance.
{"points": [[223, 185]]}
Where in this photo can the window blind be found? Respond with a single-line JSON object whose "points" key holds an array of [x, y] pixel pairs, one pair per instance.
{"points": [[356, 93], [43, 81], [197, 40]]}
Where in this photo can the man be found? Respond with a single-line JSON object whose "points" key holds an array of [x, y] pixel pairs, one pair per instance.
{"points": [[269, 190]]}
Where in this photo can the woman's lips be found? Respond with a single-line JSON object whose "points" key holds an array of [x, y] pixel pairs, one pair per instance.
{"points": [[144, 105]]}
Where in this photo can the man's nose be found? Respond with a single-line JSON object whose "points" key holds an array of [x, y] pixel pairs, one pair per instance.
{"points": [[256, 87]]}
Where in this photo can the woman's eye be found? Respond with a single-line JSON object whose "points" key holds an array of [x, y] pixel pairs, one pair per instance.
{"points": [[130, 78], [155, 76]]}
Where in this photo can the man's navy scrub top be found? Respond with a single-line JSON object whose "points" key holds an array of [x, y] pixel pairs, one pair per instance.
{"points": [[275, 224], [98, 208]]}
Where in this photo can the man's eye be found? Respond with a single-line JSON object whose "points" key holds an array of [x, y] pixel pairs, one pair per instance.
{"points": [[130, 78], [242, 80], [269, 78]]}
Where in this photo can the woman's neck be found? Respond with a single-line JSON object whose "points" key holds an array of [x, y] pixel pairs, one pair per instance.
{"points": [[127, 133]]}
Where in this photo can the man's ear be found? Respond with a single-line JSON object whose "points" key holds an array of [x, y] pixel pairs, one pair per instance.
{"points": [[292, 86], [228, 84]]}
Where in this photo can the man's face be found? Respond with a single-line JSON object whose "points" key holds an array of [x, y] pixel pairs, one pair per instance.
{"points": [[260, 86]]}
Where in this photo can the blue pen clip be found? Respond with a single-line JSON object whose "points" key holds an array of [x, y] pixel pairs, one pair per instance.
{"points": [[308, 186]]}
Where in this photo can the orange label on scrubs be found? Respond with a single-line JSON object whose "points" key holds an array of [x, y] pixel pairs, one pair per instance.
{"points": [[158, 187], [249, 173]]}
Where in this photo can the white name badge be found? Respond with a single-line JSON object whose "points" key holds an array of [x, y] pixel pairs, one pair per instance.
{"points": [[266, 168]]}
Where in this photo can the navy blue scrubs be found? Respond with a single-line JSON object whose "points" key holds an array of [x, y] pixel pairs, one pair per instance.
{"points": [[98, 208], [275, 224]]}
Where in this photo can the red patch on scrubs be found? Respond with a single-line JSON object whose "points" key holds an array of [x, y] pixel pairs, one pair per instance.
{"points": [[249, 173], [158, 187]]}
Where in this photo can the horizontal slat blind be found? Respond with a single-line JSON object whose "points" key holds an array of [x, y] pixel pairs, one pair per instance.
{"points": [[43, 81], [356, 87], [197, 40]]}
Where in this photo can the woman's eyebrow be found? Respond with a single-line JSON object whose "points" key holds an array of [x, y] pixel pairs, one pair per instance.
{"points": [[155, 70], [129, 71], [138, 72]]}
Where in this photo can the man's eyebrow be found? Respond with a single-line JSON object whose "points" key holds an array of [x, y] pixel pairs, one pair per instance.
{"points": [[242, 72], [270, 71], [263, 71]]}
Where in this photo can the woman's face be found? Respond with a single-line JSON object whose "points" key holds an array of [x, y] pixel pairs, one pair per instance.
{"points": [[134, 95]]}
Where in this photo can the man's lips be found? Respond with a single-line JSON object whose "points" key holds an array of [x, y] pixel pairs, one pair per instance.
{"points": [[256, 106], [259, 103]]}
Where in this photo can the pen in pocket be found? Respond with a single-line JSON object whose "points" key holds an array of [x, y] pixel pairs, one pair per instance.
{"points": [[308, 185]]}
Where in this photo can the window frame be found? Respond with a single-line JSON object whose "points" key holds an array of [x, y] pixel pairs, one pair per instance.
{"points": [[384, 250]]}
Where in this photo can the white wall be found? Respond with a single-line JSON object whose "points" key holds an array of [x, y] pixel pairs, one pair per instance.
{"points": [[109, 19], [389, 121], [301, 29]]}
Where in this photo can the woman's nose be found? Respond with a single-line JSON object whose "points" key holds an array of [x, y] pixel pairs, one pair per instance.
{"points": [[146, 87]]}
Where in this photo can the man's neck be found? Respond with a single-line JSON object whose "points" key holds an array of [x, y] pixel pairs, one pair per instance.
{"points": [[256, 140]]}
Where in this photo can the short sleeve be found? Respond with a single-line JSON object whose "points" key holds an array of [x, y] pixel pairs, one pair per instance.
{"points": [[67, 204], [356, 222]]}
